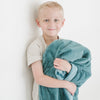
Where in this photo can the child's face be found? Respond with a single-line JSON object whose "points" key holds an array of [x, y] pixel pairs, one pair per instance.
{"points": [[51, 21]]}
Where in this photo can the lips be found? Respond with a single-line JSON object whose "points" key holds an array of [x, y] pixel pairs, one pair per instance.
{"points": [[51, 29]]}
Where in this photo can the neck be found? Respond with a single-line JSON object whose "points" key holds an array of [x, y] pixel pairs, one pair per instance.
{"points": [[49, 40]]}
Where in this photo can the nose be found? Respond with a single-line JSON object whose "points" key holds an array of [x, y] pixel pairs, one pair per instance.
{"points": [[51, 23]]}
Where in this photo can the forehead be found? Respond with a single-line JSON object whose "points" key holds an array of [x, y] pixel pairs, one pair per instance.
{"points": [[50, 12]]}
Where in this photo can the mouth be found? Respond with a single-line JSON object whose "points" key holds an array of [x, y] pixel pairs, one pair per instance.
{"points": [[51, 29]]}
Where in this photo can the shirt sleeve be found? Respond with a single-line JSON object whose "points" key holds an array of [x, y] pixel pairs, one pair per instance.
{"points": [[33, 53]]}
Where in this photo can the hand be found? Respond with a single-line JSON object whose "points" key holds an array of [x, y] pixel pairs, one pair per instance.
{"points": [[71, 87], [61, 64]]}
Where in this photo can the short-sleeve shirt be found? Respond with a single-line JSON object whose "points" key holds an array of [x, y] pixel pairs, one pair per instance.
{"points": [[34, 53]]}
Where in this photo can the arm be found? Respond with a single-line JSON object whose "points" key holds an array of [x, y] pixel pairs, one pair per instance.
{"points": [[47, 81]]}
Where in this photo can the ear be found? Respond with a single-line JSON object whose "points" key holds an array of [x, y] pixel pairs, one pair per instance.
{"points": [[38, 23], [63, 21]]}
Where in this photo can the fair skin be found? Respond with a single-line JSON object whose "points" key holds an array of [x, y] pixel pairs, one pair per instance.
{"points": [[51, 21], [47, 81]]}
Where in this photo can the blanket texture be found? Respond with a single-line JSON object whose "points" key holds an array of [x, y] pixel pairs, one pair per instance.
{"points": [[80, 59]]}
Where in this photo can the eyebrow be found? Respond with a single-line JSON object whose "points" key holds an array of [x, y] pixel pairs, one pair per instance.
{"points": [[53, 18]]}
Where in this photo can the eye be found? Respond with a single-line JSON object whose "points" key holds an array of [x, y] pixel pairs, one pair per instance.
{"points": [[46, 20], [56, 20]]}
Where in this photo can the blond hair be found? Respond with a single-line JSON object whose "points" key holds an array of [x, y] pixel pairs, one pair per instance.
{"points": [[51, 4]]}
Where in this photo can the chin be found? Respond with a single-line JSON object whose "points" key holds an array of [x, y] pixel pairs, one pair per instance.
{"points": [[52, 34]]}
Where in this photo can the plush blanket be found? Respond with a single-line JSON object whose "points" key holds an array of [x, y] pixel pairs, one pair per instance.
{"points": [[80, 59]]}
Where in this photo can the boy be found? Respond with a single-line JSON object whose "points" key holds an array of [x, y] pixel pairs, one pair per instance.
{"points": [[50, 20]]}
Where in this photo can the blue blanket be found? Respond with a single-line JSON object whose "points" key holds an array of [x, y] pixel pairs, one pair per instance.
{"points": [[80, 59]]}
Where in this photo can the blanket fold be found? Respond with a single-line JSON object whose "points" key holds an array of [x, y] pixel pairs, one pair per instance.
{"points": [[80, 59]]}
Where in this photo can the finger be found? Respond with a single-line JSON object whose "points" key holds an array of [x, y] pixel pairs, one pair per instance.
{"points": [[57, 67], [72, 94], [56, 63], [58, 59]]}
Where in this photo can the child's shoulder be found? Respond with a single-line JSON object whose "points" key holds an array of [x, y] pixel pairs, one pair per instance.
{"points": [[36, 42]]}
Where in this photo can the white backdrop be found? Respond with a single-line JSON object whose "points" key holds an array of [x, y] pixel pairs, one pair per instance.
{"points": [[18, 29]]}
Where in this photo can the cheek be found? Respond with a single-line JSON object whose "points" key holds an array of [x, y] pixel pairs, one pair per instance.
{"points": [[59, 26], [43, 26]]}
